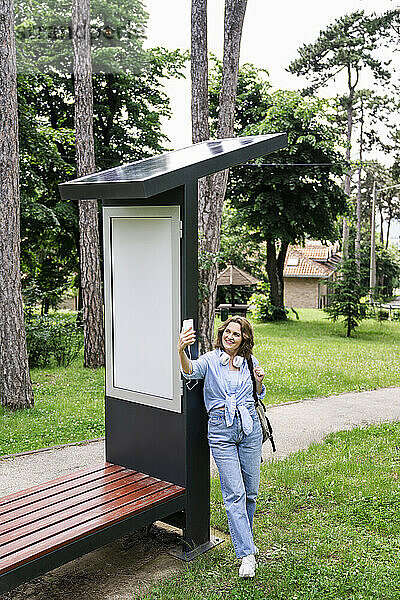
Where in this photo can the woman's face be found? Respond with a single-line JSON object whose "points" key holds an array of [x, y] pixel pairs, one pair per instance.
{"points": [[232, 338]]}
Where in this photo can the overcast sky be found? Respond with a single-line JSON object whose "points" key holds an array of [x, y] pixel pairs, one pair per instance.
{"points": [[272, 33]]}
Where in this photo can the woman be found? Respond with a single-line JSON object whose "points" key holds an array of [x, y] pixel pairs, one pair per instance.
{"points": [[234, 430]]}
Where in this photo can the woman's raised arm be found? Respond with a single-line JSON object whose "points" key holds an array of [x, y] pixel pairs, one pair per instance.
{"points": [[185, 339]]}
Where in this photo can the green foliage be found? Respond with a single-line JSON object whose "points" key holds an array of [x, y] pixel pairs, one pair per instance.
{"points": [[387, 258], [44, 42], [252, 89], [128, 108], [383, 177], [350, 43], [346, 294], [298, 195], [290, 202], [262, 308], [387, 271], [238, 247], [48, 226], [52, 338]]}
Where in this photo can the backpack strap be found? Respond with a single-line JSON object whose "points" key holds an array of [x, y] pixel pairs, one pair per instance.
{"points": [[258, 401]]}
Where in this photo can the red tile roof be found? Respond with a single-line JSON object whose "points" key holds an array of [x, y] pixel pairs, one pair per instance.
{"points": [[317, 250], [307, 266]]}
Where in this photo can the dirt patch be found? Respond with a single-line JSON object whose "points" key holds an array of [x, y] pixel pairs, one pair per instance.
{"points": [[122, 570]]}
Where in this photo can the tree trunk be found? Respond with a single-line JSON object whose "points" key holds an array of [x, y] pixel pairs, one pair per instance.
{"points": [[389, 222], [381, 226], [358, 210], [348, 322], [281, 264], [274, 267], [347, 179], [15, 383], [212, 189], [211, 198], [199, 72], [92, 297], [45, 306]]}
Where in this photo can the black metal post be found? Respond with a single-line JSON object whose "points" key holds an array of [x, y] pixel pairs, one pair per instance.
{"points": [[197, 529]]}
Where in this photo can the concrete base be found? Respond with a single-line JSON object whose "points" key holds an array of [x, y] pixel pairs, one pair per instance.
{"points": [[188, 555]]}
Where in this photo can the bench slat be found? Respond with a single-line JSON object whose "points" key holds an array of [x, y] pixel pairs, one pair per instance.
{"points": [[99, 522], [86, 514], [55, 486], [66, 490], [37, 519], [75, 475]]}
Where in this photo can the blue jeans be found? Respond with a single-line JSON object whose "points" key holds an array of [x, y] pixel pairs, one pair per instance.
{"points": [[238, 459]]}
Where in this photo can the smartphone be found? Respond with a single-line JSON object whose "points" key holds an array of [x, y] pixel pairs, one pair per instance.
{"points": [[187, 324]]}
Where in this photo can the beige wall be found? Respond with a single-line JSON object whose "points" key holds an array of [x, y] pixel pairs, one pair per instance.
{"points": [[68, 303], [301, 292]]}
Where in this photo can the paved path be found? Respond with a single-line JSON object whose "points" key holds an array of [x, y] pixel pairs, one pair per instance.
{"points": [[119, 570], [299, 424]]}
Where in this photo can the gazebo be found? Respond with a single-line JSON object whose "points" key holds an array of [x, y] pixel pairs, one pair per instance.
{"points": [[233, 276]]}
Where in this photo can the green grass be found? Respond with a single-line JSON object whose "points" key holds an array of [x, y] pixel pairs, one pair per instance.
{"points": [[328, 518], [69, 407], [311, 357], [302, 359], [327, 525]]}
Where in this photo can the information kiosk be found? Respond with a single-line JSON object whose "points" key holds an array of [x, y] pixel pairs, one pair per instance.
{"points": [[157, 458], [154, 424]]}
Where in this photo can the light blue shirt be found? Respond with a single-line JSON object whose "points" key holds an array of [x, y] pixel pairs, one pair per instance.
{"points": [[219, 392]]}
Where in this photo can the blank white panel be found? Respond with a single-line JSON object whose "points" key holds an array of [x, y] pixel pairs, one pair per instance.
{"points": [[142, 305]]}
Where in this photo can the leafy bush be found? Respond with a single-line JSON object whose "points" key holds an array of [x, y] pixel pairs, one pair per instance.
{"points": [[52, 337], [261, 307]]}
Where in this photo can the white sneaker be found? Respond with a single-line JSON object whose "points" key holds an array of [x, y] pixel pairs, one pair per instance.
{"points": [[248, 566]]}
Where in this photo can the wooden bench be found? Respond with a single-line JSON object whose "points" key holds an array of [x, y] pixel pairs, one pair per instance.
{"points": [[55, 522], [235, 309]]}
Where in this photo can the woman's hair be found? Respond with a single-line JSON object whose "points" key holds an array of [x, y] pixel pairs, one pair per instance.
{"points": [[247, 344]]}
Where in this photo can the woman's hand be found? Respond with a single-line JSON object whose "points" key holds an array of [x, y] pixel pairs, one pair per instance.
{"points": [[259, 374], [186, 338]]}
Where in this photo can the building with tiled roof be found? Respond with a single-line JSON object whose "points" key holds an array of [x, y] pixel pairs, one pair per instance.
{"points": [[306, 271]]}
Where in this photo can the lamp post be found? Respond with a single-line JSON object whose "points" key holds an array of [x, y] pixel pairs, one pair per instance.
{"points": [[372, 270]]}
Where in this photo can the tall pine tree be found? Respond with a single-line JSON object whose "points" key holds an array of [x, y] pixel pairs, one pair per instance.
{"points": [[212, 189], [15, 384], [92, 298], [349, 46]]}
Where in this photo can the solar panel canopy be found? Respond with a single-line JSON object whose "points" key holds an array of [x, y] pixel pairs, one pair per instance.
{"points": [[150, 176]]}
